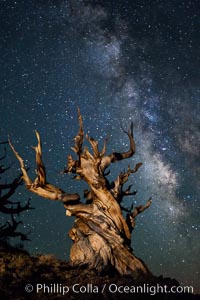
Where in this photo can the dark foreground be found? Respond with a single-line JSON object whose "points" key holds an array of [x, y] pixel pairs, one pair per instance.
{"points": [[44, 277]]}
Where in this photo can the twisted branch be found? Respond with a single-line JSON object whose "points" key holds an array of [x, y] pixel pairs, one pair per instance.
{"points": [[40, 186]]}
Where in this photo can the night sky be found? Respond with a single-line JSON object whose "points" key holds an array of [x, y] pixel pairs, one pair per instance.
{"points": [[119, 61]]}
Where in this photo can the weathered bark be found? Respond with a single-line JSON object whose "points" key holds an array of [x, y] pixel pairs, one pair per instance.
{"points": [[101, 234]]}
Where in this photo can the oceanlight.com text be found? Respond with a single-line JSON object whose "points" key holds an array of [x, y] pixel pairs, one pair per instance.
{"points": [[62, 289]]}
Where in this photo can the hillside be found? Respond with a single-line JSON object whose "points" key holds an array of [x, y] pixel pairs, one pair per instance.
{"points": [[22, 274]]}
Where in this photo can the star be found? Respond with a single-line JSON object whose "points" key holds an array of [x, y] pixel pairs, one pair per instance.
{"points": [[133, 61]]}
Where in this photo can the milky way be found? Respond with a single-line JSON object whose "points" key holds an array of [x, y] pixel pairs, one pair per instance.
{"points": [[119, 61]]}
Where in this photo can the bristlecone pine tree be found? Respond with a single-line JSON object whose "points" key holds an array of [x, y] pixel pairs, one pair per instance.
{"points": [[101, 234]]}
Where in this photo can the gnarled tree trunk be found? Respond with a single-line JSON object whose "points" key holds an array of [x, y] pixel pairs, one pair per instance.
{"points": [[101, 234]]}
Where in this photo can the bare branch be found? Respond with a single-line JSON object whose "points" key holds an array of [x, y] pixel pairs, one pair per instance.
{"points": [[130, 218], [131, 151], [15, 210], [12, 188], [94, 145], [103, 151], [79, 137], [72, 164], [25, 177], [128, 192], [117, 156], [9, 230], [117, 190], [40, 186]]}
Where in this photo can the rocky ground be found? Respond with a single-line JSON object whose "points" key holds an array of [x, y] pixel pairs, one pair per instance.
{"points": [[45, 277]]}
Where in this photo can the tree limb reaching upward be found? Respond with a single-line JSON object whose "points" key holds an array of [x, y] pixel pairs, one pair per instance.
{"points": [[101, 234], [40, 186]]}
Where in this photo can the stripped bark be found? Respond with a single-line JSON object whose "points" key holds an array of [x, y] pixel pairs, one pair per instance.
{"points": [[101, 233]]}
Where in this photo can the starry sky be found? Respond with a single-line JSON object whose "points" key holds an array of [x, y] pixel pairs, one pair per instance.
{"points": [[119, 61]]}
